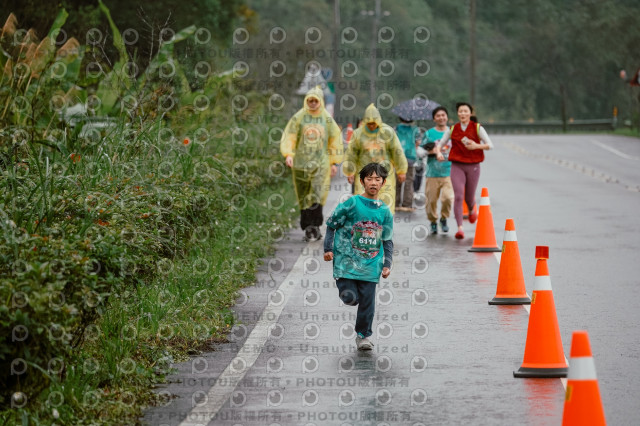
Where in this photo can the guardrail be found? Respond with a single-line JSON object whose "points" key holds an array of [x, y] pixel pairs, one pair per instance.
{"points": [[554, 126]]}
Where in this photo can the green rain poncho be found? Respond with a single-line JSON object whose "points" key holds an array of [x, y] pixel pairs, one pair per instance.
{"points": [[314, 141], [380, 146]]}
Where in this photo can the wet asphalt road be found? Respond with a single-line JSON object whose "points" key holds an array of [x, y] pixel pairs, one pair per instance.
{"points": [[442, 354]]}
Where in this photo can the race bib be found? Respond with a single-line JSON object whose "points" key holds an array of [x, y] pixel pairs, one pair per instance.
{"points": [[366, 238]]}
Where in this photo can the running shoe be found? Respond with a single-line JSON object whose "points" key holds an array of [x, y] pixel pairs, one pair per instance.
{"points": [[309, 234], [363, 343], [434, 228], [459, 234], [443, 225], [473, 215]]}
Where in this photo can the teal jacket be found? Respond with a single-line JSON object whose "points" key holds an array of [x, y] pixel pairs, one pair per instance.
{"points": [[436, 168], [407, 135]]}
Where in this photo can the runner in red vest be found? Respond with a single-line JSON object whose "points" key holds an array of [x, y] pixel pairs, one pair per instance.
{"points": [[469, 140]]}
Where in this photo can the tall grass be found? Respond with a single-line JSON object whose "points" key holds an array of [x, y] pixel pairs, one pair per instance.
{"points": [[122, 247]]}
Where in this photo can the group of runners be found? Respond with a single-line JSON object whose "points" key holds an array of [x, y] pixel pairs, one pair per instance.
{"points": [[380, 162]]}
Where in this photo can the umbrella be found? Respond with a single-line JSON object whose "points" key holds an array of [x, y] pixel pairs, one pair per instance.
{"points": [[415, 109]]}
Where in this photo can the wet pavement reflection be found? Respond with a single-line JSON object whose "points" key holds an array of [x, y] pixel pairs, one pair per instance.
{"points": [[442, 355]]}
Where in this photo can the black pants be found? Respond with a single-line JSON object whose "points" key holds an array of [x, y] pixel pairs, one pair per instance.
{"points": [[311, 216], [363, 294]]}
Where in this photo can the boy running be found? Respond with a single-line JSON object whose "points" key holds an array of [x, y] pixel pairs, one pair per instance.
{"points": [[358, 241]]}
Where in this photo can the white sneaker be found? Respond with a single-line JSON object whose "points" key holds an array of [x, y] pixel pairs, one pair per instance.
{"points": [[364, 344]]}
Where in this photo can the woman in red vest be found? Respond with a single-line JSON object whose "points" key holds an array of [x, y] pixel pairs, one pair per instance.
{"points": [[469, 140]]}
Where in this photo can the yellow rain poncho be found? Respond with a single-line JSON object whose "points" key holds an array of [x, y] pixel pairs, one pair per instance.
{"points": [[314, 141], [380, 146]]}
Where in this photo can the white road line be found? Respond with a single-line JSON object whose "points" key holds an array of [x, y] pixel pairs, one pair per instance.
{"points": [[528, 309], [613, 150], [203, 413]]}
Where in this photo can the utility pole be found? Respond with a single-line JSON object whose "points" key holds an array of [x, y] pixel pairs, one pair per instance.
{"points": [[374, 43], [472, 50], [336, 35]]}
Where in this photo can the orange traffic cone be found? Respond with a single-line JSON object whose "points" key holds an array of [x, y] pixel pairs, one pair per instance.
{"points": [[582, 404], [511, 290], [543, 354], [485, 238]]}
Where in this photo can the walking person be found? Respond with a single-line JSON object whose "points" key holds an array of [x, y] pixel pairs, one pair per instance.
{"points": [[469, 140], [376, 142], [409, 137], [359, 241], [438, 181], [312, 146]]}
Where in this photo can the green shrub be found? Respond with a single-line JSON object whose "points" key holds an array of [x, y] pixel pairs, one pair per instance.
{"points": [[100, 226]]}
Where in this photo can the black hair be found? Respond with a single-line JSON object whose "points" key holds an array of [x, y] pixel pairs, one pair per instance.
{"points": [[459, 104], [404, 120], [440, 108], [473, 118], [372, 168]]}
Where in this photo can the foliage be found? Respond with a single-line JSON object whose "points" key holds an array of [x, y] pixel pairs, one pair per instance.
{"points": [[535, 60], [145, 24], [540, 60], [107, 219]]}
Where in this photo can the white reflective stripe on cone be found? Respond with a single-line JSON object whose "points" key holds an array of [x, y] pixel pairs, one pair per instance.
{"points": [[510, 236], [484, 201], [541, 282], [582, 368]]}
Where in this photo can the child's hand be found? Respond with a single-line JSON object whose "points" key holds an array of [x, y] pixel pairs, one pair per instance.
{"points": [[385, 271], [328, 256]]}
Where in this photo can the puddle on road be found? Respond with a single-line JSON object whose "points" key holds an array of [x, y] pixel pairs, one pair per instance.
{"points": [[545, 400], [511, 317]]}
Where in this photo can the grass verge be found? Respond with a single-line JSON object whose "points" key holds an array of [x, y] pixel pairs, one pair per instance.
{"points": [[180, 314]]}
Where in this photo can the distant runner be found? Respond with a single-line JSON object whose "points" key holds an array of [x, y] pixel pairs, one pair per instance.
{"points": [[376, 142], [409, 136], [438, 185], [312, 146], [469, 140]]}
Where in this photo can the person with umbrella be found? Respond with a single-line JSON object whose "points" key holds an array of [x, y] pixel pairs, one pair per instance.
{"points": [[409, 136], [415, 109], [418, 108], [376, 142], [312, 146]]}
